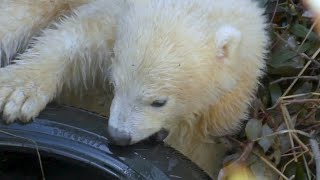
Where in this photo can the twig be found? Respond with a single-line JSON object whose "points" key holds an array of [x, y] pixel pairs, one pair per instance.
{"points": [[285, 166], [292, 177], [284, 132], [298, 101], [301, 95], [286, 117], [292, 136], [301, 72], [266, 161], [306, 167], [307, 57], [303, 146], [274, 12], [36, 146], [306, 37], [286, 97], [241, 160], [291, 154], [313, 78], [312, 112], [315, 149], [280, 99], [316, 126], [246, 152], [302, 54]]}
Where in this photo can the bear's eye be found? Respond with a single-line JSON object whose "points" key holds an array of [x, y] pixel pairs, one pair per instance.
{"points": [[159, 103]]}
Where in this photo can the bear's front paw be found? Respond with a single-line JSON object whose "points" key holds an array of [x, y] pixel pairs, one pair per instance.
{"points": [[21, 99]]}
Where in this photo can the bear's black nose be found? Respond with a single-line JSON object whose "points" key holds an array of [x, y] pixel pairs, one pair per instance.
{"points": [[118, 137]]}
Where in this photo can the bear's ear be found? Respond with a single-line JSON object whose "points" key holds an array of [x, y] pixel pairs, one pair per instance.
{"points": [[227, 41]]}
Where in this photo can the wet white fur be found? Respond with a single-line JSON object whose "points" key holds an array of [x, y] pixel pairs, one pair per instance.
{"points": [[204, 56]]}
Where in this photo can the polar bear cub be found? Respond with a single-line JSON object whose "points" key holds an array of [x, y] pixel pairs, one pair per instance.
{"points": [[188, 66]]}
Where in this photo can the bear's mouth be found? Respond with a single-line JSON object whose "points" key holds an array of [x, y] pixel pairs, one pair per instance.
{"points": [[157, 137], [121, 139]]}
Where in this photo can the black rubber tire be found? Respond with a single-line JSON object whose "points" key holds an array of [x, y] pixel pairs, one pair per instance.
{"points": [[77, 135]]}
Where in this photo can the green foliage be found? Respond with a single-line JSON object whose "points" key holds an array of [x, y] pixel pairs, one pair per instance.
{"points": [[293, 43]]}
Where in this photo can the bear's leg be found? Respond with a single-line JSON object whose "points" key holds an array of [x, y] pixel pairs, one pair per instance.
{"points": [[22, 19], [76, 48], [207, 155]]}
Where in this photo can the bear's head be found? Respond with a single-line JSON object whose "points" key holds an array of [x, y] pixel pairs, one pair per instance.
{"points": [[167, 69]]}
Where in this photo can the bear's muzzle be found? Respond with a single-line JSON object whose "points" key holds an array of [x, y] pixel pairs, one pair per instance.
{"points": [[118, 137]]}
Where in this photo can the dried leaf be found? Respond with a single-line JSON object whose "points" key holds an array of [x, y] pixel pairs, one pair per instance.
{"points": [[283, 56], [275, 92], [253, 129], [292, 42], [286, 62], [262, 171], [266, 142], [295, 169], [277, 156], [304, 88], [284, 139], [301, 31]]}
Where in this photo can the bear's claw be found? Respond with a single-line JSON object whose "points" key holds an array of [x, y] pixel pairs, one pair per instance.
{"points": [[21, 100]]}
